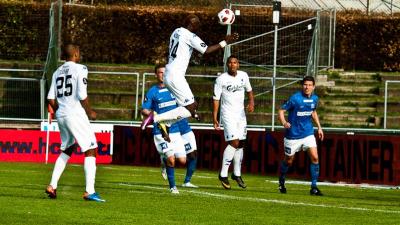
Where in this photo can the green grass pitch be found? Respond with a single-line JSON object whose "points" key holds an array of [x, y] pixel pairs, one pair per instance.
{"points": [[139, 195]]}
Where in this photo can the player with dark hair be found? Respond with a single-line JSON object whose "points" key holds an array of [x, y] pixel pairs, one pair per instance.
{"points": [[229, 89], [181, 143], [68, 97], [299, 134], [182, 42]]}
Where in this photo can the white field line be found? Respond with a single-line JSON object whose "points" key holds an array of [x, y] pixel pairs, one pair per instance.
{"points": [[223, 196], [339, 184]]}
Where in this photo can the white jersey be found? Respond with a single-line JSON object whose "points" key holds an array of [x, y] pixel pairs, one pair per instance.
{"points": [[230, 90], [181, 44], [69, 86]]}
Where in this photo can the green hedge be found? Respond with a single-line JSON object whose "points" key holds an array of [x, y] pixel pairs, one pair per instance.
{"points": [[368, 43], [24, 31], [140, 34]]}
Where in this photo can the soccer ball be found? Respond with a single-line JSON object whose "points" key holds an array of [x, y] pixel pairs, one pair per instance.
{"points": [[226, 17]]}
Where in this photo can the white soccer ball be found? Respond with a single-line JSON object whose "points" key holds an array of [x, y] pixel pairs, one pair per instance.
{"points": [[226, 17]]}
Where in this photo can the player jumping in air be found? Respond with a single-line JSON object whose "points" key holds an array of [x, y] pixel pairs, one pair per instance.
{"points": [[182, 42]]}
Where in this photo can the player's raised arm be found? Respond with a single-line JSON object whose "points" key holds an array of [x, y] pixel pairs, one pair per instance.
{"points": [[229, 39]]}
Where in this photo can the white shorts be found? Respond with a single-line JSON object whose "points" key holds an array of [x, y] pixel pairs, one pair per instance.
{"points": [[190, 142], [179, 87], [76, 127], [235, 128], [295, 145], [175, 147]]}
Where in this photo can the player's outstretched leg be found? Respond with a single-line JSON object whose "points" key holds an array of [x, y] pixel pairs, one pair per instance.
{"points": [[163, 168], [190, 168], [237, 168], [283, 170], [171, 179], [314, 169], [225, 182]]}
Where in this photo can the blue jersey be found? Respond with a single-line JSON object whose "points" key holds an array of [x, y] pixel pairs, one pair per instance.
{"points": [[300, 108], [160, 100], [184, 126]]}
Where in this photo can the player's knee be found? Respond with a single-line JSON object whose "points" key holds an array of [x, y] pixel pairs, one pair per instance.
{"points": [[234, 143], [289, 161], [70, 150], [171, 162], [182, 161], [90, 153]]}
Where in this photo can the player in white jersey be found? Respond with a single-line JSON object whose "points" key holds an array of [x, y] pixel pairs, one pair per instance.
{"points": [[182, 42], [68, 97], [230, 88]]}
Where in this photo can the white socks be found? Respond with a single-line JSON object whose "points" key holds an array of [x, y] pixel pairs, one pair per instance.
{"points": [[237, 162], [59, 167], [229, 153], [173, 115], [90, 173]]}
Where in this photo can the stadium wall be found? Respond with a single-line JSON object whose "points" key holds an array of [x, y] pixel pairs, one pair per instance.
{"points": [[373, 159]]}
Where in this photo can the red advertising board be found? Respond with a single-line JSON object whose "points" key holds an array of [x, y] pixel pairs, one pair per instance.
{"points": [[30, 146], [360, 158]]}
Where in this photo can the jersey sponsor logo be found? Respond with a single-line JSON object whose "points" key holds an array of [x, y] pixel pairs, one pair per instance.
{"points": [[306, 113], [163, 90], [308, 100], [166, 104], [203, 45], [234, 88]]}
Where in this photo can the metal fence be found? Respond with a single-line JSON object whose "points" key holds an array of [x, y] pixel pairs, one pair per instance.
{"points": [[393, 106], [23, 99]]}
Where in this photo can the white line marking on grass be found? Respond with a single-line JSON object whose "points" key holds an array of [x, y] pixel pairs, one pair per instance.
{"points": [[223, 196], [339, 184]]}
